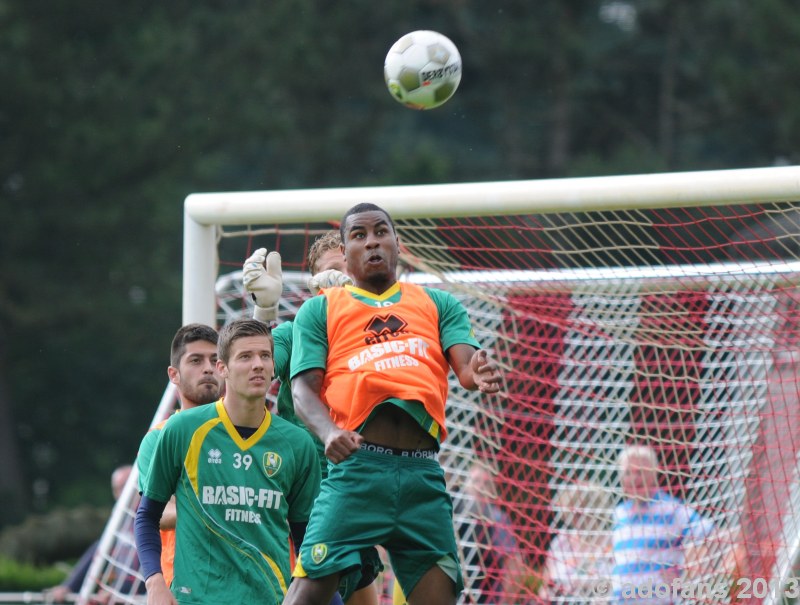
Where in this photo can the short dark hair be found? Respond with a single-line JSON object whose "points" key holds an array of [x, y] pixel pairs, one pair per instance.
{"points": [[358, 209], [240, 328], [188, 334], [330, 240]]}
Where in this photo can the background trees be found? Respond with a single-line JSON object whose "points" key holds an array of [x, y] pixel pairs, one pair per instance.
{"points": [[113, 112]]}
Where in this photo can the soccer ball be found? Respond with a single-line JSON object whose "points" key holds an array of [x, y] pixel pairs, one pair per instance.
{"points": [[422, 69]]}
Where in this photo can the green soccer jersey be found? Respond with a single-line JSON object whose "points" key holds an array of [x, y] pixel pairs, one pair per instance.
{"points": [[282, 337], [235, 498], [145, 454]]}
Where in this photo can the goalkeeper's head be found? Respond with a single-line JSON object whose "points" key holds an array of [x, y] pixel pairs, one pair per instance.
{"points": [[326, 253]]}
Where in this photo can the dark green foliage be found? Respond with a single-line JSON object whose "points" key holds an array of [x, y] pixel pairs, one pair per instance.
{"points": [[60, 535], [17, 577]]}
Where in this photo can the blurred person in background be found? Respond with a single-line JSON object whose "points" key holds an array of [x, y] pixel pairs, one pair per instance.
{"points": [[579, 557], [653, 531], [503, 572]]}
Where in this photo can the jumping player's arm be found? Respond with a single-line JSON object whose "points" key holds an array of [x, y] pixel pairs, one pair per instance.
{"points": [[474, 369], [339, 443], [309, 361], [472, 366]]}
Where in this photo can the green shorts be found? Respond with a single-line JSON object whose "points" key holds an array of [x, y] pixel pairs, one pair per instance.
{"points": [[323, 460], [371, 567], [375, 498]]}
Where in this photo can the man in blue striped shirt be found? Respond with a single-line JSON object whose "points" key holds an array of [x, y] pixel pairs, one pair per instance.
{"points": [[652, 531]]}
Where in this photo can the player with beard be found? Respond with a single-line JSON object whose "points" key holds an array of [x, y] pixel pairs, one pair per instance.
{"points": [[193, 371]]}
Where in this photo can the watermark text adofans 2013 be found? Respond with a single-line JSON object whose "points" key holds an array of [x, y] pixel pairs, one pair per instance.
{"points": [[681, 589]]}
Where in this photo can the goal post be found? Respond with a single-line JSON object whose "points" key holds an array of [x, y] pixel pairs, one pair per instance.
{"points": [[659, 309], [204, 212]]}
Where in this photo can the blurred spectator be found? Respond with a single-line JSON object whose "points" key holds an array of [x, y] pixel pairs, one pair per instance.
{"points": [[502, 574], [579, 557], [652, 531]]}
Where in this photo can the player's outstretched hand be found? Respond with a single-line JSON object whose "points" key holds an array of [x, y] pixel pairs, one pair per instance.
{"points": [[330, 278], [263, 279], [485, 372], [340, 444]]}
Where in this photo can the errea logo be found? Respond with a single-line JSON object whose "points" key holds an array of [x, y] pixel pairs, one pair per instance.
{"points": [[214, 456], [384, 327]]}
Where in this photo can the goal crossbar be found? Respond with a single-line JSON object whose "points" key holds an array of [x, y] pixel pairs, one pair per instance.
{"points": [[204, 212]]}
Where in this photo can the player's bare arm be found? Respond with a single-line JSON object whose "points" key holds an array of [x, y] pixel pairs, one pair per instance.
{"points": [[476, 371], [339, 443], [157, 591], [170, 516]]}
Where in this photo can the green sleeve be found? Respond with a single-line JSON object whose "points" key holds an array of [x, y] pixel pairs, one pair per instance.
{"points": [[166, 463], [282, 337], [455, 326], [306, 485], [310, 336], [145, 455]]}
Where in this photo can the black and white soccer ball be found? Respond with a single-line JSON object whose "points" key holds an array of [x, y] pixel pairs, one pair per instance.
{"points": [[422, 69]]}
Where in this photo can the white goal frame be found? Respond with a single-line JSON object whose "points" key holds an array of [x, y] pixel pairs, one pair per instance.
{"points": [[204, 212]]}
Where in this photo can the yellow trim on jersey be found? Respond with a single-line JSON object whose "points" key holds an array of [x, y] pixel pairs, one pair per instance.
{"points": [[192, 460], [299, 572], [379, 297], [243, 444], [276, 570]]}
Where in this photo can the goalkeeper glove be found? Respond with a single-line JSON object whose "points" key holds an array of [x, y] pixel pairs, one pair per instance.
{"points": [[262, 278], [330, 278]]}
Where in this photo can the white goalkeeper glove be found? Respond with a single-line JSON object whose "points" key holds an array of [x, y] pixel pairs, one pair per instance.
{"points": [[263, 279], [330, 278]]}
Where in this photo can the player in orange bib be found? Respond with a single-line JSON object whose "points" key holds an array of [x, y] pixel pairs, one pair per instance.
{"points": [[369, 377]]}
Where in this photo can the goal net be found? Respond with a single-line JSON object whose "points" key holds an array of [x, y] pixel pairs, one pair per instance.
{"points": [[656, 310]]}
